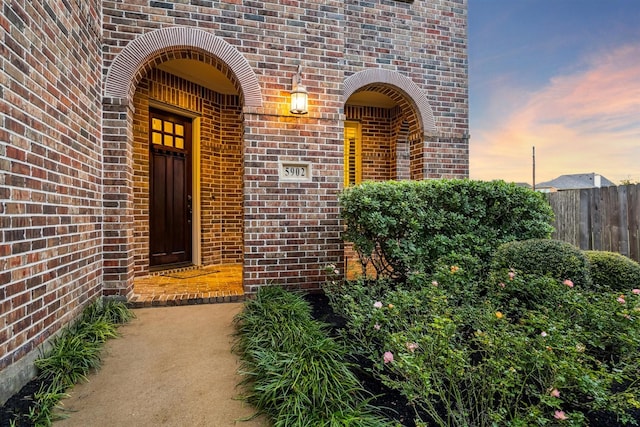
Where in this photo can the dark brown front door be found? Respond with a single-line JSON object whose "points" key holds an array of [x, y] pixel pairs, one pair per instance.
{"points": [[170, 189]]}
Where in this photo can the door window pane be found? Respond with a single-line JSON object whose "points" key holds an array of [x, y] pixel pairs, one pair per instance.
{"points": [[167, 133]]}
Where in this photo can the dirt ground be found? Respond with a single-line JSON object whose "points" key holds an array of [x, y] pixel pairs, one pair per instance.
{"points": [[172, 366]]}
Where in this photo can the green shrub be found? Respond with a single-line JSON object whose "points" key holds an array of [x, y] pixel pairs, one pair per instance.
{"points": [[544, 257], [612, 271], [405, 227], [519, 293], [295, 373], [523, 351], [459, 277]]}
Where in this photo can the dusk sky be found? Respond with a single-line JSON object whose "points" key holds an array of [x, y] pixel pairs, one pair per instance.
{"points": [[560, 75]]}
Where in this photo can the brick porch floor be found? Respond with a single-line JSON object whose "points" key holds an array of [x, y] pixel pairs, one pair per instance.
{"points": [[203, 285]]}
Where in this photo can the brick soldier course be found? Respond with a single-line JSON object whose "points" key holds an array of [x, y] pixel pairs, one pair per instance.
{"points": [[81, 79]]}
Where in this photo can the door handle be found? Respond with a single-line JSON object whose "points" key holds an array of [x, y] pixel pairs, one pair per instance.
{"points": [[189, 209]]}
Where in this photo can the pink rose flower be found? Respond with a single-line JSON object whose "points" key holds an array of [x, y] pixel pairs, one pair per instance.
{"points": [[434, 283], [377, 304], [555, 392], [412, 346], [621, 300], [636, 291], [387, 357], [568, 282], [502, 285], [512, 275], [543, 334], [560, 415]]}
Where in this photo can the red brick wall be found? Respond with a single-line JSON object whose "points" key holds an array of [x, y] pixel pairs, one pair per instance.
{"points": [[50, 169], [228, 212], [292, 229], [425, 41], [379, 141]]}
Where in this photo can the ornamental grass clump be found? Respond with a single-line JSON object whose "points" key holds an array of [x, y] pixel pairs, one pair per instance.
{"points": [[295, 373], [75, 351]]}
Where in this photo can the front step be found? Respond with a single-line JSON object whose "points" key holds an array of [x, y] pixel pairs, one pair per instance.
{"points": [[166, 300]]}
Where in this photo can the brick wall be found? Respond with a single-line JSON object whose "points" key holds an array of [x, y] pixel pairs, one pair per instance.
{"points": [[290, 230], [425, 41], [50, 172], [379, 141]]}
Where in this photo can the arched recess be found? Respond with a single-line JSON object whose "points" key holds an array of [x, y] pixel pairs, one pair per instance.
{"points": [[394, 119], [377, 79], [130, 64], [121, 118]]}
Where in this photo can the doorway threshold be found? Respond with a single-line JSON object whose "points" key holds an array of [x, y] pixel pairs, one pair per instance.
{"points": [[186, 286]]}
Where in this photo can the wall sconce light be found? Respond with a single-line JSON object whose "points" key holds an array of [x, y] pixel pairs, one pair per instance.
{"points": [[299, 94]]}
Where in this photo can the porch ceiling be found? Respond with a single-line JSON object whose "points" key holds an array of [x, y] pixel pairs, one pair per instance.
{"points": [[371, 99], [200, 73]]}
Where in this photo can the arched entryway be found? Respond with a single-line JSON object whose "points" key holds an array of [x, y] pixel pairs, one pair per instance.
{"points": [[183, 92], [387, 116], [386, 119]]}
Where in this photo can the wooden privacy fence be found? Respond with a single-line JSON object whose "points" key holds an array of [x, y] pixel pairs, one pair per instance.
{"points": [[604, 219]]}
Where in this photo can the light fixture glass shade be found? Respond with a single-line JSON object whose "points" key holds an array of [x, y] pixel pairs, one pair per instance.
{"points": [[299, 98]]}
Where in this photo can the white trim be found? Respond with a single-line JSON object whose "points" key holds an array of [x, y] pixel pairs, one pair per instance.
{"points": [[196, 249]]}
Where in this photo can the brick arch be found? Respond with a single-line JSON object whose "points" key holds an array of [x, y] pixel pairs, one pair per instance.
{"points": [[401, 89], [150, 49]]}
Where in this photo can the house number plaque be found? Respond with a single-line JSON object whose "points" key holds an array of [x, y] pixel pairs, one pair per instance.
{"points": [[290, 171]]}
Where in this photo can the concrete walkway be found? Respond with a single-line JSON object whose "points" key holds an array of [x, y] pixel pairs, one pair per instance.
{"points": [[172, 366]]}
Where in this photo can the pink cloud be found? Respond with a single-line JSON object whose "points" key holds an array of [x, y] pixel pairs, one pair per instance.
{"points": [[586, 121]]}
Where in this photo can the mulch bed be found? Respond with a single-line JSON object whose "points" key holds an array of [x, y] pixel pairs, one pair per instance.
{"points": [[392, 404], [20, 403]]}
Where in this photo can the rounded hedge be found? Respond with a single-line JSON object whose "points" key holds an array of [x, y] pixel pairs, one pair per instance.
{"points": [[412, 224], [613, 271], [544, 257]]}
